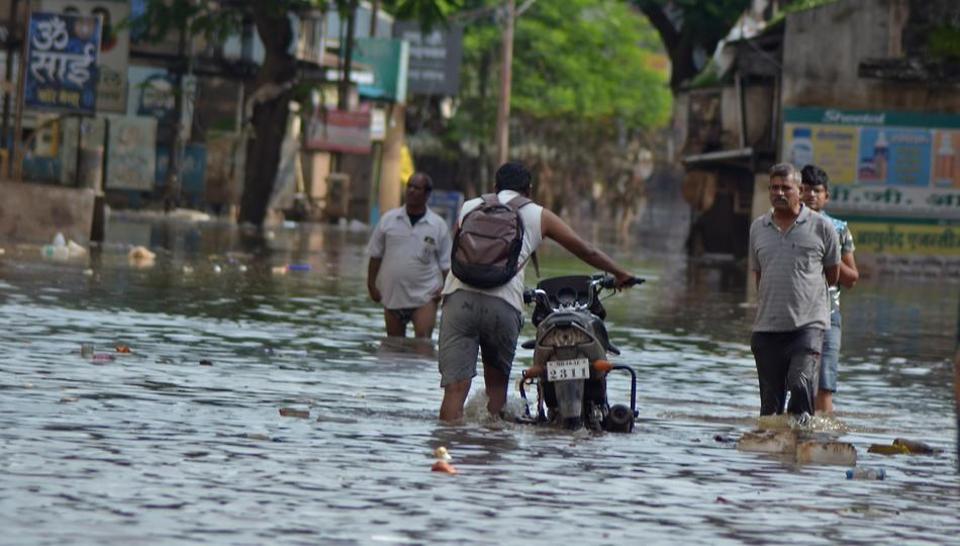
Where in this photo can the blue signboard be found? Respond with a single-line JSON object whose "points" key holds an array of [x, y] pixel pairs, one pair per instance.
{"points": [[62, 56], [193, 169], [447, 204]]}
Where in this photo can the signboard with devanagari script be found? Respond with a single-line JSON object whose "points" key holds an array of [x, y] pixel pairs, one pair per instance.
{"points": [[62, 58]]}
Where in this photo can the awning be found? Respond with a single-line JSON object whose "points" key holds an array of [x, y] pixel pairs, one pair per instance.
{"points": [[719, 156]]}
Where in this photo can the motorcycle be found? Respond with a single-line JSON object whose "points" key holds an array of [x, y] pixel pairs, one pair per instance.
{"points": [[570, 365]]}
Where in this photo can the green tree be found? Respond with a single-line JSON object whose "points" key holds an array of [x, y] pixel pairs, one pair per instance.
{"points": [[689, 28], [585, 85]]}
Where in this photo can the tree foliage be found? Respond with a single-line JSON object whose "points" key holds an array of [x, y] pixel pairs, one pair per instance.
{"points": [[585, 88], [690, 30]]}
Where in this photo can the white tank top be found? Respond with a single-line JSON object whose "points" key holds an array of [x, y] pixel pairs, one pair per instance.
{"points": [[512, 291]]}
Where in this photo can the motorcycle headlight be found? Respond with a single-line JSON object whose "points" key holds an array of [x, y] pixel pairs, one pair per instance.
{"points": [[565, 337]]}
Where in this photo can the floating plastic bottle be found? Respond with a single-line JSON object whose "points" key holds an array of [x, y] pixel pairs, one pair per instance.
{"points": [[866, 473]]}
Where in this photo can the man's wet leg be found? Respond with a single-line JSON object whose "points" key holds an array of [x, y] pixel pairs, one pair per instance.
{"points": [[396, 327], [424, 319], [454, 397]]}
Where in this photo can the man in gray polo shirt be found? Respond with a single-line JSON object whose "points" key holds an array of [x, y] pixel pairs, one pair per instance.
{"points": [[796, 255]]}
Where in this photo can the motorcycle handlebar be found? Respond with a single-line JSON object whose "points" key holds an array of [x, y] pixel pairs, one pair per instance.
{"points": [[610, 282], [603, 280]]}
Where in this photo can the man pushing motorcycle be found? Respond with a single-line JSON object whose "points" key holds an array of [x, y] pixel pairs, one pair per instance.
{"points": [[483, 296]]}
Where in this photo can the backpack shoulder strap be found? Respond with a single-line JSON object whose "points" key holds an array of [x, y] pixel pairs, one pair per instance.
{"points": [[516, 204], [519, 202]]}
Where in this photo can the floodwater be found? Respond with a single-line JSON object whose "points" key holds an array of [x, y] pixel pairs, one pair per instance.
{"points": [[181, 441]]}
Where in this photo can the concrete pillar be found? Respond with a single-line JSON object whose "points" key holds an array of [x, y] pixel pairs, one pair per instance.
{"points": [[761, 205], [391, 187]]}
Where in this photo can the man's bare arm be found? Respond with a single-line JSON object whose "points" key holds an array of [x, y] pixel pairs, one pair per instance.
{"points": [[849, 274], [373, 269], [555, 228]]}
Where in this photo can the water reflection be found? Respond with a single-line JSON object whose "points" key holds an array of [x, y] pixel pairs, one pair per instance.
{"points": [[155, 447]]}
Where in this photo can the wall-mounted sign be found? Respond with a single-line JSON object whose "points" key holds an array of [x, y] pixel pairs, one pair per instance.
{"points": [[435, 58], [62, 55], [388, 60], [880, 163], [114, 46], [338, 131], [132, 152]]}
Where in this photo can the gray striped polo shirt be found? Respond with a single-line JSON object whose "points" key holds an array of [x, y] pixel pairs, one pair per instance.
{"points": [[793, 289]]}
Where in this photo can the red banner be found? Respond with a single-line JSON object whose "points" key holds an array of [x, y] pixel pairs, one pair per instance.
{"points": [[339, 131]]}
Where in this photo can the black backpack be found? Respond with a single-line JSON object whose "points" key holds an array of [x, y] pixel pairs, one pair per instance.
{"points": [[486, 248]]}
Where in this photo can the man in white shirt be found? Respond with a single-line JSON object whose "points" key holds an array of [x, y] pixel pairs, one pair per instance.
{"points": [[409, 259], [489, 319]]}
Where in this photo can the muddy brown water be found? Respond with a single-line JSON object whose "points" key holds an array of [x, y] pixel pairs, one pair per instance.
{"points": [[154, 447]]}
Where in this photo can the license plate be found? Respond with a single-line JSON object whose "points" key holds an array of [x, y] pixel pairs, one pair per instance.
{"points": [[567, 370]]}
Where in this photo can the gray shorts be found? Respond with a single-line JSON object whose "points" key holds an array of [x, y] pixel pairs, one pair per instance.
{"points": [[473, 321]]}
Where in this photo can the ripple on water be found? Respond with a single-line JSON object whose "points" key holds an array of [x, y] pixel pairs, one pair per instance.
{"points": [[155, 448]]}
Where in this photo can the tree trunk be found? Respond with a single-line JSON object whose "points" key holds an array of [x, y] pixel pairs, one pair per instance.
{"points": [[273, 91]]}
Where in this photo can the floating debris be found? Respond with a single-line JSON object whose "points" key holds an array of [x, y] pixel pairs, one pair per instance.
{"points": [[101, 358], [840, 453], [140, 256], [443, 466], [866, 473], [291, 412], [75, 250], [442, 454], [884, 449], [915, 447], [124, 349], [206, 362], [902, 446]]}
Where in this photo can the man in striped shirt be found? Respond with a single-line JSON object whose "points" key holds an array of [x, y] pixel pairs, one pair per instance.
{"points": [[795, 256]]}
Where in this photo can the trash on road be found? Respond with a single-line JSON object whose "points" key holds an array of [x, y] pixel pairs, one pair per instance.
{"points": [[291, 412]]}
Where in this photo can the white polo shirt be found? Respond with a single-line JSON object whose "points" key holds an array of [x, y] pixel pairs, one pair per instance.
{"points": [[412, 257]]}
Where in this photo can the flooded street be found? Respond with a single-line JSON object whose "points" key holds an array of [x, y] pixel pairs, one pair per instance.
{"points": [[181, 441]]}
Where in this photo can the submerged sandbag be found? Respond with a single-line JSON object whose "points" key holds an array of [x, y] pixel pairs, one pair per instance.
{"points": [[768, 441], [842, 453]]}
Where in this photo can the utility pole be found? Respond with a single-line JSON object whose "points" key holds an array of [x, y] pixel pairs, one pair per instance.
{"points": [[506, 74]]}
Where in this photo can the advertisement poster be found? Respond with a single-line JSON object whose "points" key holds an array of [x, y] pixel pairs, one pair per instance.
{"points": [[131, 160], [910, 249], [62, 55], [946, 149], [881, 164], [114, 46], [332, 130]]}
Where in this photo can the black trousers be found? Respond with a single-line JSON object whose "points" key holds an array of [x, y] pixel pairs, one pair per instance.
{"points": [[787, 362]]}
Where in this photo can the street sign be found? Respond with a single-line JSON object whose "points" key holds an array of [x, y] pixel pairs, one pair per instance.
{"points": [[62, 59], [435, 58]]}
